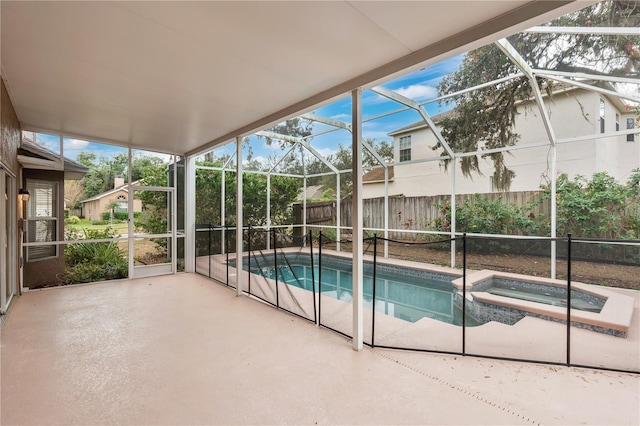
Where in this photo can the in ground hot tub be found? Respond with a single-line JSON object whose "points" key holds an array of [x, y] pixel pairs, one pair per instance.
{"points": [[549, 295], [507, 298]]}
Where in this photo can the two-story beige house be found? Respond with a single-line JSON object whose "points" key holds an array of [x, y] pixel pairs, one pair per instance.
{"points": [[575, 115]]}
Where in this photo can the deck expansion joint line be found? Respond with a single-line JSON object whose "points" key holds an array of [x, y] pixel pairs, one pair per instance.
{"points": [[467, 392]]}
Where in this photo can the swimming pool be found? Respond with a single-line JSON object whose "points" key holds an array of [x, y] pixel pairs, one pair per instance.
{"points": [[407, 294], [413, 293]]}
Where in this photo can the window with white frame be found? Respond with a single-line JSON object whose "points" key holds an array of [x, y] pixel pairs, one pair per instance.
{"points": [[405, 148], [42, 218], [631, 124], [122, 204], [602, 111]]}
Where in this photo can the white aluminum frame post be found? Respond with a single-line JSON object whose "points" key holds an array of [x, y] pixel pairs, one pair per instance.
{"points": [[358, 264], [239, 219], [190, 214]]}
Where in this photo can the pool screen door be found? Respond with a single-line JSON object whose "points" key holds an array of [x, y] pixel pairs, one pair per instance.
{"points": [[152, 239]]}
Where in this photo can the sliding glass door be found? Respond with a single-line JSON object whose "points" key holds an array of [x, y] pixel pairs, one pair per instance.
{"points": [[8, 230]]}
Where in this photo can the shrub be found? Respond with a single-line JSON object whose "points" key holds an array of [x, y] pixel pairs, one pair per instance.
{"points": [[329, 233], [598, 207], [72, 220], [99, 222], [101, 261], [482, 216], [88, 262], [122, 216], [153, 221], [119, 216]]}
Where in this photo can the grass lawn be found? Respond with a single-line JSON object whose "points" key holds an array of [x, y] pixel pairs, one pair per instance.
{"points": [[118, 227], [145, 249]]}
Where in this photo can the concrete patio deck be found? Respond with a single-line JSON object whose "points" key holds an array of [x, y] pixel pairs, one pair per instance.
{"points": [[182, 349]]}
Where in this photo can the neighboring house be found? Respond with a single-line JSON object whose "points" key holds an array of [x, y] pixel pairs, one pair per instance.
{"points": [[94, 207], [573, 112], [313, 192]]}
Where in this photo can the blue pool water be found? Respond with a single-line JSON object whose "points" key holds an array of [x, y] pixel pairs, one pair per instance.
{"points": [[407, 294]]}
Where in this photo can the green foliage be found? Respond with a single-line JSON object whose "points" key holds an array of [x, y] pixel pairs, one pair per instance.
{"points": [[342, 160], [119, 216], [296, 127], [482, 216], [487, 115], [102, 172], [72, 220], [151, 171], [284, 191], [153, 220], [328, 194], [300, 162], [89, 262], [99, 222], [329, 233], [598, 207]]}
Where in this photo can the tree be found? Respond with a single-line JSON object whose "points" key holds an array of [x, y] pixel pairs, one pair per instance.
{"points": [[102, 172], [296, 127], [73, 193], [487, 115], [341, 160], [284, 191], [301, 162], [150, 171], [383, 148]]}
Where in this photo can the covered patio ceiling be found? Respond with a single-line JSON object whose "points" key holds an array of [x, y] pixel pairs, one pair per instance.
{"points": [[182, 77]]}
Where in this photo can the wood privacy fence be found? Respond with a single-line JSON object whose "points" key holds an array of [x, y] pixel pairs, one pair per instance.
{"points": [[410, 213]]}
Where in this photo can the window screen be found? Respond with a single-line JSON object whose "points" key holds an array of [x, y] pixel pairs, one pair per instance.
{"points": [[41, 218]]}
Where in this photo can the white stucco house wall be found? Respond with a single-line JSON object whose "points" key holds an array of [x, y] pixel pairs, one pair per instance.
{"points": [[574, 113]]}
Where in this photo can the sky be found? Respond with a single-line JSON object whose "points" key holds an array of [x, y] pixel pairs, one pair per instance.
{"points": [[419, 85], [72, 147]]}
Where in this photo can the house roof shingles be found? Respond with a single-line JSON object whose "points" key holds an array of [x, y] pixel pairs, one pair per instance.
{"points": [[377, 175]]}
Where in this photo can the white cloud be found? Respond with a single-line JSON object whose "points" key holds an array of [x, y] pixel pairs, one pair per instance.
{"points": [[325, 152], [259, 158], [342, 117], [418, 92], [70, 144], [372, 98]]}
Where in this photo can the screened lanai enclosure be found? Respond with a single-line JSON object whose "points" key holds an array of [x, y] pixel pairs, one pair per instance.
{"points": [[480, 202], [109, 213], [489, 205]]}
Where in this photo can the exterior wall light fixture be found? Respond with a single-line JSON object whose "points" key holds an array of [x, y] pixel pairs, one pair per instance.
{"points": [[23, 194]]}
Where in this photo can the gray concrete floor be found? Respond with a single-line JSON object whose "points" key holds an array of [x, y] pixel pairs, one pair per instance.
{"points": [[182, 349]]}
